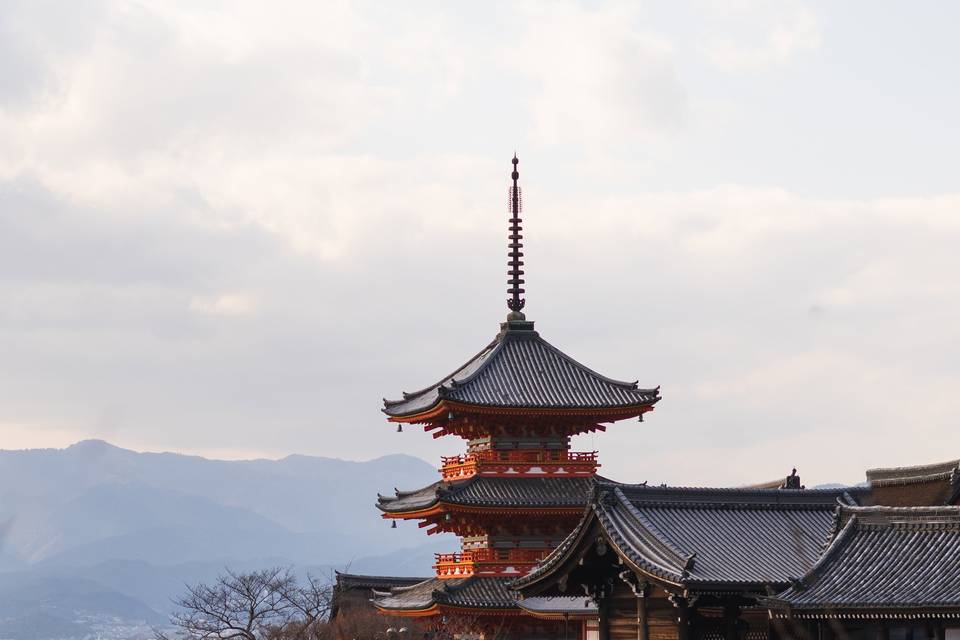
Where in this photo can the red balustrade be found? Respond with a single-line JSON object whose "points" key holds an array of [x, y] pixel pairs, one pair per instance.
{"points": [[487, 562], [519, 461]]}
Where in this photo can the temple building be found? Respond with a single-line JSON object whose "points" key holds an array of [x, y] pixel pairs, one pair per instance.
{"points": [[517, 490], [782, 561], [678, 563], [549, 549], [888, 572]]}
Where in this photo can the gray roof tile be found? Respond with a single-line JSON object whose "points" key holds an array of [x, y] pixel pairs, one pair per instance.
{"points": [[475, 592], [709, 537], [521, 369], [884, 558], [481, 491]]}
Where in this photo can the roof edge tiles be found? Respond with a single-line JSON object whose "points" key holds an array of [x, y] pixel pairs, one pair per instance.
{"points": [[521, 370], [491, 492], [479, 593]]}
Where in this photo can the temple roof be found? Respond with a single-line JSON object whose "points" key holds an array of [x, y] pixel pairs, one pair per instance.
{"points": [[883, 558], [912, 475], [474, 593], [702, 538], [481, 491], [519, 369], [919, 485]]}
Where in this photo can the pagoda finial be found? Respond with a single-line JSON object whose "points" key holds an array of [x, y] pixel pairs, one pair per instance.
{"points": [[515, 272]]}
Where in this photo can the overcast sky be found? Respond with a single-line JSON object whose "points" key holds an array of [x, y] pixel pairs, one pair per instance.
{"points": [[232, 228]]}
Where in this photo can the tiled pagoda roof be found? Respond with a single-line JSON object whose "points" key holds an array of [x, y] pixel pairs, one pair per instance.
{"points": [[519, 369], [481, 491], [473, 593], [359, 587], [881, 560], [705, 538]]}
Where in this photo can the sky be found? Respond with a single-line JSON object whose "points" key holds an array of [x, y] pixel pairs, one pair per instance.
{"points": [[231, 228]]}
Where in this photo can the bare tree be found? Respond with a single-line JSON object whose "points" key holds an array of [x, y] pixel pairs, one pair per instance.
{"points": [[269, 603]]}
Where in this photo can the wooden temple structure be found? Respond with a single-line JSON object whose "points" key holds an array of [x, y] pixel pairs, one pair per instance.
{"points": [[665, 563], [517, 490], [549, 549]]}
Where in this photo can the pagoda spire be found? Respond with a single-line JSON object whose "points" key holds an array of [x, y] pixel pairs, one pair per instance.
{"points": [[515, 272]]}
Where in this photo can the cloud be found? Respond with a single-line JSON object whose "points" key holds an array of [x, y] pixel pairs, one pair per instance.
{"points": [[237, 229], [747, 36], [225, 304], [626, 83]]}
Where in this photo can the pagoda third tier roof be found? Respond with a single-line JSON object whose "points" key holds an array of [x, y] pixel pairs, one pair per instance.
{"points": [[470, 593], [521, 370], [484, 492]]}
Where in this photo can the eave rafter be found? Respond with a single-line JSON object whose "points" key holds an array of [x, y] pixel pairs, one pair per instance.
{"points": [[442, 508], [439, 416]]}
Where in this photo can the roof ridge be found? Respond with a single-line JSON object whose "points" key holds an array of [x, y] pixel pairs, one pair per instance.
{"points": [[341, 574], [934, 467], [621, 383], [886, 510], [609, 522], [497, 345], [659, 538], [723, 496], [496, 342]]}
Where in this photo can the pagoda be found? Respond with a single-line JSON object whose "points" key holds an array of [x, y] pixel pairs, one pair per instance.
{"points": [[517, 490]]}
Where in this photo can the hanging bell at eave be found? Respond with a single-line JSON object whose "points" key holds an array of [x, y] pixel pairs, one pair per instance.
{"points": [[393, 524], [399, 428]]}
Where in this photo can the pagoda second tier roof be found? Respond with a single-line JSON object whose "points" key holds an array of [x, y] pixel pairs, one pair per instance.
{"points": [[469, 593], [521, 370], [481, 491]]}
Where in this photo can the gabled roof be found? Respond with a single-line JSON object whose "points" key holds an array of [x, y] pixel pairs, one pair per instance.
{"points": [[703, 538], [519, 369], [473, 593], [880, 560], [482, 491]]}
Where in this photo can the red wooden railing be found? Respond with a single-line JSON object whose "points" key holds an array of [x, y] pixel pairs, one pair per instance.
{"points": [[494, 461], [487, 561]]}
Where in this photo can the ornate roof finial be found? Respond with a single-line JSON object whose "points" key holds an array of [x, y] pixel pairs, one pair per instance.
{"points": [[515, 272]]}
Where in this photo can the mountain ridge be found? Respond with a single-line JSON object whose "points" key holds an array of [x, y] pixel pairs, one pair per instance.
{"points": [[108, 536]]}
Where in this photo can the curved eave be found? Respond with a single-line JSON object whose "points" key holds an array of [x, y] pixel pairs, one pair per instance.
{"points": [[432, 610], [601, 413], [444, 507], [656, 577], [481, 611], [845, 612], [437, 609], [590, 526], [538, 580], [560, 614]]}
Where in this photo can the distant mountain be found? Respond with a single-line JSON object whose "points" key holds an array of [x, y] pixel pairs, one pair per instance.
{"points": [[95, 536]]}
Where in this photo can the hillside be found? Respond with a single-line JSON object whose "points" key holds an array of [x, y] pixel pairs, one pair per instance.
{"points": [[102, 537]]}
